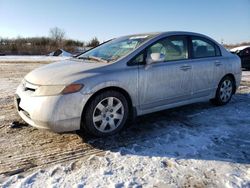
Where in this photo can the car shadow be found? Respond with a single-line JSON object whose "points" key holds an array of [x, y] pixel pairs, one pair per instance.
{"points": [[197, 131]]}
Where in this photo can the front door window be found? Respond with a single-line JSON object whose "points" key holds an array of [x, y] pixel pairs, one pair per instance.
{"points": [[171, 48]]}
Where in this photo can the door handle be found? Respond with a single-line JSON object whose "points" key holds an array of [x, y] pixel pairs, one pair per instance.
{"points": [[185, 67], [217, 63]]}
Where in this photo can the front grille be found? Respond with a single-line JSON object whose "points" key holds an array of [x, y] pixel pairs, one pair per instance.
{"points": [[27, 86], [26, 113], [29, 89], [17, 101]]}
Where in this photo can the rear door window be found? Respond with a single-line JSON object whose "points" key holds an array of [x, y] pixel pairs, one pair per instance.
{"points": [[202, 48]]}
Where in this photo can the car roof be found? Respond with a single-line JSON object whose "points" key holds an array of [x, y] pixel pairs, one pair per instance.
{"points": [[167, 33]]}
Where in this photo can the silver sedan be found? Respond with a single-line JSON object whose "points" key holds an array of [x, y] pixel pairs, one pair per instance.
{"points": [[99, 90]]}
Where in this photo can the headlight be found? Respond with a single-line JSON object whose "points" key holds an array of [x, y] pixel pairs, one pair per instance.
{"points": [[57, 89], [72, 88]]}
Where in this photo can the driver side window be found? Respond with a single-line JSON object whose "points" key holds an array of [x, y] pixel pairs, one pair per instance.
{"points": [[171, 48]]}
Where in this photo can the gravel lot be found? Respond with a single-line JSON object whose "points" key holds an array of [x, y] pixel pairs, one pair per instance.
{"points": [[25, 149]]}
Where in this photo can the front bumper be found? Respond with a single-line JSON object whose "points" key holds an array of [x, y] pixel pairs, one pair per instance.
{"points": [[60, 113]]}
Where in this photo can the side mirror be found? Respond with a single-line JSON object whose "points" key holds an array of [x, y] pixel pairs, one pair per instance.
{"points": [[155, 57]]}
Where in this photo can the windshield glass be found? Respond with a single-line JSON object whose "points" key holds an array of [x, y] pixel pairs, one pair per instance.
{"points": [[115, 49]]}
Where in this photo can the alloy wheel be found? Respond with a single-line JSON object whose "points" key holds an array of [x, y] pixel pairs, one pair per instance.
{"points": [[108, 114], [226, 90]]}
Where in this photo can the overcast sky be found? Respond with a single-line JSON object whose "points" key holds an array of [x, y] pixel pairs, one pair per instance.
{"points": [[83, 19]]}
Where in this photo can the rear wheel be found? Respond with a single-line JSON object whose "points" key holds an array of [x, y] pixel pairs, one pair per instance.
{"points": [[224, 91], [106, 114]]}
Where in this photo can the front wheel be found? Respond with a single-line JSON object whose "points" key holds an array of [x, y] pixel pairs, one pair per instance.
{"points": [[106, 114], [224, 91]]}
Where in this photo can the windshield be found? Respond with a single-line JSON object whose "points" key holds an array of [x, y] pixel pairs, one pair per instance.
{"points": [[115, 49]]}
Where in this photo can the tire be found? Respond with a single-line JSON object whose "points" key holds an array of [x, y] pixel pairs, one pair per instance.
{"points": [[224, 91], [106, 114]]}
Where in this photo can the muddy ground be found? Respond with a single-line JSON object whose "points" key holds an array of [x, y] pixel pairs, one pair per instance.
{"points": [[24, 148]]}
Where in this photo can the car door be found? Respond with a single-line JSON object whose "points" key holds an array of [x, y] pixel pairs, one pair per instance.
{"points": [[245, 58], [167, 81], [207, 66]]}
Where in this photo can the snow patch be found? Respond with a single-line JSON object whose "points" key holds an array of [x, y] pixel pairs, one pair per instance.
{"points": [[209, 149], [31, 58]]}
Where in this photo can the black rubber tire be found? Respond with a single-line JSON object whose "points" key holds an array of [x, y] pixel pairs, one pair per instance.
{"points": [[87, 122], [217, 100]]}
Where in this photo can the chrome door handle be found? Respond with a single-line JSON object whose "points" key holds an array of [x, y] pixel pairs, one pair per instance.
{"points": [[217, 63], [185, 67]]}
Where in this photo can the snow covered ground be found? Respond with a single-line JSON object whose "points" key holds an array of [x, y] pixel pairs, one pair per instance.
{"points": [[31, 58], [198, 145], [246, 76]]}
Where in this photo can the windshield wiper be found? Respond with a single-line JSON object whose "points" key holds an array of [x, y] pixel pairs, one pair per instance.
{"points": [[93, 58]]}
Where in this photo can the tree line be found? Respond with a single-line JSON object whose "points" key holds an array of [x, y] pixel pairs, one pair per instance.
{"points": [[44, 45], [55, 40], [229, 46]]}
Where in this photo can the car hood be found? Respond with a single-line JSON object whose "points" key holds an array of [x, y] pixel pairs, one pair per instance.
{"points": [[64, 72]]}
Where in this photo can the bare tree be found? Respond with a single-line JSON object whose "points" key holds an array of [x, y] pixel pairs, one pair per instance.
{"points": [[93, 42], [57, 35]]}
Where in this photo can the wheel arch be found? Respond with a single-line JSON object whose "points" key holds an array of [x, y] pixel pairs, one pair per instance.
{"points": [[234, 80], [132, 109]]}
